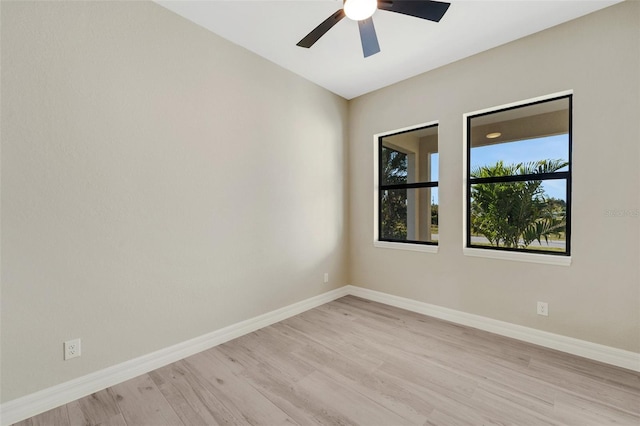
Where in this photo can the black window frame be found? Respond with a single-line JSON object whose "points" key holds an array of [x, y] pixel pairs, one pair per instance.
{"points": [[567, 175], [415, 185]]}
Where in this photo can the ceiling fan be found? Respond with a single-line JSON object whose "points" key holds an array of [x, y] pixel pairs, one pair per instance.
{"points": [[363, 10]]}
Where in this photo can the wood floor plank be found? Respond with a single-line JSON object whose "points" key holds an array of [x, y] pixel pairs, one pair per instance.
{"points": [[142, 404], [528, 393], [357, 362], [345, 342], [191, 401], [573, 409], [428, 327], [278, 388], [242, 399], [263, 350], [344, 403], [58, 416], [386, 392], [441, 346], [97, 408], [463, 416], [621, 398], [112, 421], [508, 408], [390, 392], [302, 409]]}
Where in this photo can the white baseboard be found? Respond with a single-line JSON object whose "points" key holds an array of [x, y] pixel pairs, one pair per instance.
{"points": [[46, 399], [583, 348]]}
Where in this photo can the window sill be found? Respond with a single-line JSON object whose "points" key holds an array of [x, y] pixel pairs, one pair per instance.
{"points": [[518, 257], [424, 248]]}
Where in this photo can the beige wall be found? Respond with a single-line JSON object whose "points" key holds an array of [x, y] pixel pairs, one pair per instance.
{"points": [[158, 183], [597, 298]]}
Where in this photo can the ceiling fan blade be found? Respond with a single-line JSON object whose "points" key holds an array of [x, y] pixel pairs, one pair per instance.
{"points": [[321, 29], [368, 37], [425, 9]]}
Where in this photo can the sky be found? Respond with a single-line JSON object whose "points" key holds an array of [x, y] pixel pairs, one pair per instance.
{"points": [[551, 147]]}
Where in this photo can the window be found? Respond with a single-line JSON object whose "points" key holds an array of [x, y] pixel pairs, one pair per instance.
{"points": [[518, 174], [407, 187]]}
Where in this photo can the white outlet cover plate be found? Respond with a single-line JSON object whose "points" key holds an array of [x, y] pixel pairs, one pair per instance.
{"points": [[72, 349], [543, 309]]}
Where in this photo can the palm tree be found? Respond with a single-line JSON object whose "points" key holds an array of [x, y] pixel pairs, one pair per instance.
{"points": [[514, 214], [394, 203]]}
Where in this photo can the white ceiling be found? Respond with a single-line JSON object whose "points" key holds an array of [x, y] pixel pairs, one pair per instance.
{"points": [[409, 46]]}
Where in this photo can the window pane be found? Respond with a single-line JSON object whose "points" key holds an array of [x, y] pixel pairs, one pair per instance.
{"points": [[434, 167], [408, 157], [552, 149], [393, 166], [434, 213], [527, 215], [408, 215], [527, 134]]}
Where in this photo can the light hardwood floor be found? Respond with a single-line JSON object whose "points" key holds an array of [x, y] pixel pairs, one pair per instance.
{"points": [[357, 362]]}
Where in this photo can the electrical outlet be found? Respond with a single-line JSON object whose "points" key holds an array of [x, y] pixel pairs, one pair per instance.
{"points": [[543, 309], [326, 277], [72, 349]]}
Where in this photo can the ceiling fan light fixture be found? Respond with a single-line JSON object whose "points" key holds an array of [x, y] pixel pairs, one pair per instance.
{"points": [[363, 10], [359, 10]]}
